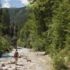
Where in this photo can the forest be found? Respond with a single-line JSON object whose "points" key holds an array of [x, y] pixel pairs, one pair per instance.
{"points": [[44, 25]]}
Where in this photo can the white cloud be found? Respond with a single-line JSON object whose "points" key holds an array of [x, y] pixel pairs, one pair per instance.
{"points": [[25, 2], [6, 4]]}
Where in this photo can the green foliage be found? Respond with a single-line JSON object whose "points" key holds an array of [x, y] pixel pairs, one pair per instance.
{"points": [[48, 29], [59, 63], [62, 59], [4, 28], [4, 45]]}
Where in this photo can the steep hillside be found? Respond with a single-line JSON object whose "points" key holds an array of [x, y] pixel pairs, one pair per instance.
{"points": [[10, 16]]}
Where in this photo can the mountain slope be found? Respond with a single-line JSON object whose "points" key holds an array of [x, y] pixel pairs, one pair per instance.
{"points": [[10, 16]]}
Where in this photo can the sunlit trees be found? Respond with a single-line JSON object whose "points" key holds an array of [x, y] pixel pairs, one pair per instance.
{"points": [[4, 27], [49, 20]]}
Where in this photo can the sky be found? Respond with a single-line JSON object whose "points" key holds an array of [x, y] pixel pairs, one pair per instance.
{"points": [[13, 3]]}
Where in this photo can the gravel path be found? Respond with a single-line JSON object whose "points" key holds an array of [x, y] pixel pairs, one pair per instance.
{"points": [[28, 60]]}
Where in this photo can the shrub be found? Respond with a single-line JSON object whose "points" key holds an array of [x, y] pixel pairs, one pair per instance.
{"points": [[59, 62], [4, 45]]}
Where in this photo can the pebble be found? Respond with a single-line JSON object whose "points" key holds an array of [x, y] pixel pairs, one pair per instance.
{"points": [[3, 65], [26, 61]]}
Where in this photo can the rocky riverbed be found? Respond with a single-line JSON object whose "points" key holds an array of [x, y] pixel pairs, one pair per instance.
{"points": [[28, 60]]}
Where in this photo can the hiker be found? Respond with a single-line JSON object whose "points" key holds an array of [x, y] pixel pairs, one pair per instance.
{"points": [[16, 55]]}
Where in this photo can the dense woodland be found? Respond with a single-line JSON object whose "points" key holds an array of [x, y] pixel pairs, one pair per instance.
{"points": [[45, 27], [10, 17]]}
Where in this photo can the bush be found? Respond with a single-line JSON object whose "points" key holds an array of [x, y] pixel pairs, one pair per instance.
{"points": [[59, 64], [61, 60], [4, 45], [20, 43], [38, 44]]}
